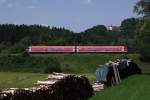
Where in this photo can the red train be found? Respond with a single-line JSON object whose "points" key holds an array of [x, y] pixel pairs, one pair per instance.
{"points": [[77, 49]]}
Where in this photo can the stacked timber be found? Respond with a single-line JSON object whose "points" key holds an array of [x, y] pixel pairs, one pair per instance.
{"points": [[57, 86], [98, 87]]}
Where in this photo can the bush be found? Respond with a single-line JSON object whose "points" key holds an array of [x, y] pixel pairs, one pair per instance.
{"points": [[144, 41], [26, 63], [52, 65]]}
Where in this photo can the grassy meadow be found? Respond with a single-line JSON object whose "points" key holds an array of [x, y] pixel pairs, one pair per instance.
{"points": [[19, 80], [25, 80]]}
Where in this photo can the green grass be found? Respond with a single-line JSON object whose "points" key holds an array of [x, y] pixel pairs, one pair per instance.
{"points": [[132, 88], [19, 80], [23, 80], [87, 63]]}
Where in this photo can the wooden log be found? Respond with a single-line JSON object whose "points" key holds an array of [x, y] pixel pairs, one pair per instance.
{"points": [[56, 88]]}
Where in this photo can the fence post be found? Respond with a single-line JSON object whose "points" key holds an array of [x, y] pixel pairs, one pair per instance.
{"points": [[116, 73]]}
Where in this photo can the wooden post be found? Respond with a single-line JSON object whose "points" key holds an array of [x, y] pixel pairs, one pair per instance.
{"points": [[116, 73]]}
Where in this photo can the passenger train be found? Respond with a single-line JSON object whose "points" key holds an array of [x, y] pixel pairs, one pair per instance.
{"points": [[77, 49]]}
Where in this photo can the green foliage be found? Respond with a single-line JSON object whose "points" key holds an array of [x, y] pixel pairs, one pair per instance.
{"points": [[97, 35], [3, 47], [17, 48], [16, 38], [68, 63], [88, 63], [24, 63], [52, 65], [99, 29], [129, 27], [144, 43], [142, 7]]}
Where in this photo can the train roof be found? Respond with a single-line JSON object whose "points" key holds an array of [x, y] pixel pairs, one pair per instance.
{"points": [[72, 46]]}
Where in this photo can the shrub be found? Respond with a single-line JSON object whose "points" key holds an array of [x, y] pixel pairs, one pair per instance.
{"points": [[144, 41], [52, 65], [26, 63]]}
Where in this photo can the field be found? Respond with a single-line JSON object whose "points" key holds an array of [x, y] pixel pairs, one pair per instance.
{"points": [[25, 80], [19, 80], [84, 64], [133, 88]]}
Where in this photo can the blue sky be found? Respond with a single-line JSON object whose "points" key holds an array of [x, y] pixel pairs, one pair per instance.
{"points": [[76, 15]]}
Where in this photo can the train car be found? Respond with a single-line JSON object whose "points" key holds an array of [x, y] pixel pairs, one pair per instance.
{"points": [[50, 49], [102, 49], [78, 49]]}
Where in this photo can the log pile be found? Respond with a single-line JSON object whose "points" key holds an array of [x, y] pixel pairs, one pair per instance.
{"points": [[55, 87], [98, 87]]}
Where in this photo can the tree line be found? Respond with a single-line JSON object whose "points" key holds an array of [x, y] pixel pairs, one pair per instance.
{"points": [[15, 38]]}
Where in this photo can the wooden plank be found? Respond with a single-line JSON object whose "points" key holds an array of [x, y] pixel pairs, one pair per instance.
{"points": [[115, 73]]}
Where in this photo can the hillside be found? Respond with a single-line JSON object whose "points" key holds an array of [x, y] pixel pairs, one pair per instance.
{"points": [[87, 63], [133, 88], [68, 63]]}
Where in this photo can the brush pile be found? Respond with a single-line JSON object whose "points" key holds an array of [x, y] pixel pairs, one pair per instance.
{"points": [[55, 87]]}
